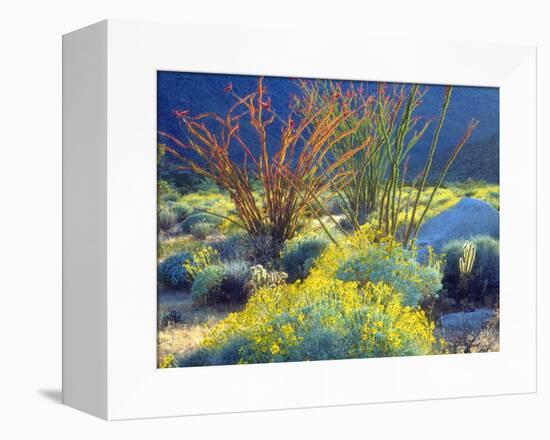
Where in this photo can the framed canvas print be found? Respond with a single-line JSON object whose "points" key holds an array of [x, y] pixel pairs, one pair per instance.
{"points": [[265, 225]]}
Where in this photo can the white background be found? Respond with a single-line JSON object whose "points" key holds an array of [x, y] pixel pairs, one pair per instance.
{"points": [[30, 241]]}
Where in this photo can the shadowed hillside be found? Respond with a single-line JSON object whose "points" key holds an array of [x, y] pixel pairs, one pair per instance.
{"points": [[205, 93]]}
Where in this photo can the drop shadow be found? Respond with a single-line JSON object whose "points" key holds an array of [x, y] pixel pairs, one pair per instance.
{"points": [[55, 396]]}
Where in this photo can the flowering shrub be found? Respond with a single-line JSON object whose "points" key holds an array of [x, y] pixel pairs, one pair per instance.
{"points": [[395, 266], [323, 317], [168, 362], [201, 259], [172, 273], [210, 201]]}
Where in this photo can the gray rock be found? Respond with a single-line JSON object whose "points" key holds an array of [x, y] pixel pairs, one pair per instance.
{"points": [[465, 322], [468, 218]]}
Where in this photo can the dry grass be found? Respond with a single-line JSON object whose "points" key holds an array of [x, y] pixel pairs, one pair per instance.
{"points": [[181, 338]]}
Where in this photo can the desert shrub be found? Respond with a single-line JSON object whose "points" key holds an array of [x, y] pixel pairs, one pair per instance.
{"points": [[206, 285], [241, 246], [388, 262], [169, 319], [490, 194], [172, 272], [235, 247], [345, 224], [483, 283], [197, 358], [298, 256], [221, 284], [166, 218], [470, 185], [234, 287], [169, 362], [201, 259], [327, 320], [321, 317], [208, 200], [191, 183], [334, 207], [478, 189], [199, 217], [166, 191], [201, 230], [176, 245], [182, 210]]}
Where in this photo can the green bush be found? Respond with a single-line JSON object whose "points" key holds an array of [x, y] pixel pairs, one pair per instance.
{"points": [[199, 217], [201, 230], [206, 286], [221, 284], [166, 191], [190, 183], [181, 210], [483, 283], [241, 246], [234, 287], [236, 247], [299, 255], [166, 218], [172, 273], [334, 206], [394, 266], [201, 258]]}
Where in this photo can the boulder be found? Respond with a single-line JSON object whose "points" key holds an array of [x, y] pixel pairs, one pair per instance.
{"points": [[463, 323], [462, 221]]}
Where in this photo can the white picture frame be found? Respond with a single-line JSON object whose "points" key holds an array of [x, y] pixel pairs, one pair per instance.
{"points": [[109, 220]]}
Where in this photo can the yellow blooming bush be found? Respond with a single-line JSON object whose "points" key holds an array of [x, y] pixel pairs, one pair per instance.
{"points": [[168, 362], [322, 317], [386, 261], [208, 201]]}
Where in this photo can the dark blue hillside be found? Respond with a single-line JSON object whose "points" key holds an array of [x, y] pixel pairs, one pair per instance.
{"points": [[479, 160]]}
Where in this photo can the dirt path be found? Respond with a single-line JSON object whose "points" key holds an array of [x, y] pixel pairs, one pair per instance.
{"points": [[184, 336]]}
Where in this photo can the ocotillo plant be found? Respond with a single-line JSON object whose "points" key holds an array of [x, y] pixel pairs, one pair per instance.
{"points": [[368, 170], [294, 183], [378, 173], [413, 223], [398, 150], [360, 195]]}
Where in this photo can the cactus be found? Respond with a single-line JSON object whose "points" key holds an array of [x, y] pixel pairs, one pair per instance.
{"points": [[260, 277], [466, 262]]}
